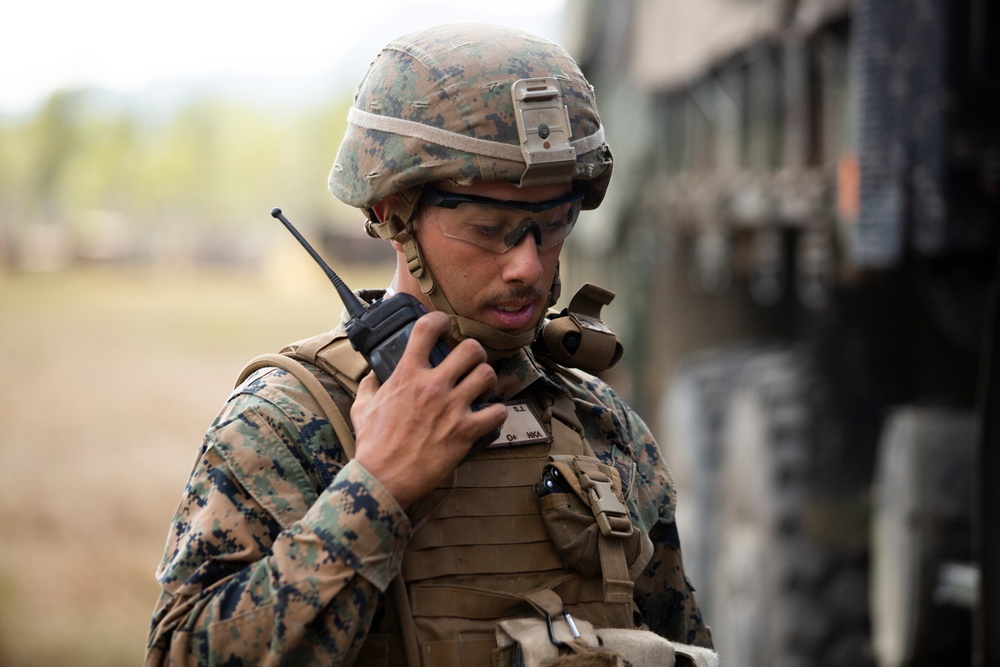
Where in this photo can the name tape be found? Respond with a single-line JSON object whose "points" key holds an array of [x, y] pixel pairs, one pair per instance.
{"points": [[523, 427]]}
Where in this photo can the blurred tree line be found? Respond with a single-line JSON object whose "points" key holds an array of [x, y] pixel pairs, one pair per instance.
{"points": [[90, 177]]}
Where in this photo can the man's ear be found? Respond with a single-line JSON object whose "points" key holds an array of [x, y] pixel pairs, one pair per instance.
{"points": [[384, 208]]}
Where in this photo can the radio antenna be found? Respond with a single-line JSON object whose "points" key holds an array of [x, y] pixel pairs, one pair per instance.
{"points": [[355, 307]]}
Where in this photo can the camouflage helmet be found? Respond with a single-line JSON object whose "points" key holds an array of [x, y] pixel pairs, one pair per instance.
{"points": [[438, 105]]}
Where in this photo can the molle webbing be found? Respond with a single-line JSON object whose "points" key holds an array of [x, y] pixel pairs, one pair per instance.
{"points": [[505, 509], [484, 547], [464, 602]]}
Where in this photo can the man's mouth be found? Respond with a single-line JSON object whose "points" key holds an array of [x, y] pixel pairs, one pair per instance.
{"points": [[513, 316]]}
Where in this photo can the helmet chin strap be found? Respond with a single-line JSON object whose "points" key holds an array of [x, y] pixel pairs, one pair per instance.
{"points": [[498, 344]]}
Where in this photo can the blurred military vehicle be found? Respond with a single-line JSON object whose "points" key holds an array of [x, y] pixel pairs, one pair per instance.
{"points": [[803, 232]]}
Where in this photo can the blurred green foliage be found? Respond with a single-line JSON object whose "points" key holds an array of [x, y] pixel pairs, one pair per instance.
{"points": [[204, 172]]}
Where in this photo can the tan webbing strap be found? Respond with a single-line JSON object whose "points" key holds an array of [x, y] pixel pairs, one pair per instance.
{"points": [[567, 431], [550, 606], [481, 559], [407, 627], [463, 602], [546, 602], [615, 526], [502, 502], [514, 472], [478, 603], [458, 531], [313, 386]]}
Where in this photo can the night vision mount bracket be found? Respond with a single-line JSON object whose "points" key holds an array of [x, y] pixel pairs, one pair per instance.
{"points": [[543, 127]]}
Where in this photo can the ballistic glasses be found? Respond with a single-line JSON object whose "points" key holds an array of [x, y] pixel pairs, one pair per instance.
{"points": [[498, 225]]}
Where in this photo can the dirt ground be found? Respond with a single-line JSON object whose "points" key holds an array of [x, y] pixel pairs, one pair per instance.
{"points": [[109, 381]]}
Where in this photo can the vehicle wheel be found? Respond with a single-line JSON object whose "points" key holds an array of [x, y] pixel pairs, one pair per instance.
{"points": [[780, 598], [922, 522]]}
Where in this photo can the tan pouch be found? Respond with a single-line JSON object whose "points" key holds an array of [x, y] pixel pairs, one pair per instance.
{"points": [[592, 506], [556, 639], [530, 642]]}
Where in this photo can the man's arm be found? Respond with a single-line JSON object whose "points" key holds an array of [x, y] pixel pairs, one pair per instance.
{"points": [[272, 558], [665, 596], [663, 592], [260, 567]]}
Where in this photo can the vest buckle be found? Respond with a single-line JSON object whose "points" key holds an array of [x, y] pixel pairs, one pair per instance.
{"points": [[612, 516]]}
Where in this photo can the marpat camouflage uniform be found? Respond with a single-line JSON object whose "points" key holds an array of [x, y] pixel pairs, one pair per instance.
{"points": [[281, 548]]}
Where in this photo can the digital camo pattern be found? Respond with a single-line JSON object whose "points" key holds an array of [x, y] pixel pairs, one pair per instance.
{"points": [[280, 548], [663, 593], [458, 77]]}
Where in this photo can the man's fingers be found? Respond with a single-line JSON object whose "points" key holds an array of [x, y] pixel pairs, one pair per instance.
{"points": [[369, 384], [427, 330], [472, 383], [493, 415], [459, 361]]}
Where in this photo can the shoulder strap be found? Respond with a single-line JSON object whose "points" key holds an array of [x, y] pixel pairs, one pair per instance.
{"points": [[318, 392]]}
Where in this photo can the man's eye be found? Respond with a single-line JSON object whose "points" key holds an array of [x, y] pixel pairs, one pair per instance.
{"points": [[554, 225], [487, 231]]}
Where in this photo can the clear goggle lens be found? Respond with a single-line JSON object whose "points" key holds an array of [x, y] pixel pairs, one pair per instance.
{"points": [[499, 225]]}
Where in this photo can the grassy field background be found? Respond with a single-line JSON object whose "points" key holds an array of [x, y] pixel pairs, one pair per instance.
{"points": [[109, 380]]}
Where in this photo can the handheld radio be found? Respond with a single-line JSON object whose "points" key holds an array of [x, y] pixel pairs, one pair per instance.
{"points": [[380, 331]]}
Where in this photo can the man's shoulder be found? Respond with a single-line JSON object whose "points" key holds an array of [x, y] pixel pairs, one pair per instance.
{"points": [[582, 385], [287, 391], [273, 415]]}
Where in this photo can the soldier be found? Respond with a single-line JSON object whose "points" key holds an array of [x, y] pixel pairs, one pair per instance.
{"points": [[367, 530]]}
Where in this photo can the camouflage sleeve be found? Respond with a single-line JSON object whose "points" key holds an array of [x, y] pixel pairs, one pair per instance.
{"points": [[268, 561], [662, 592]]}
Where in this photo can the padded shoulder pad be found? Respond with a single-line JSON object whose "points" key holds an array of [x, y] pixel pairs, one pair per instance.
{"points": [[332, 352]]}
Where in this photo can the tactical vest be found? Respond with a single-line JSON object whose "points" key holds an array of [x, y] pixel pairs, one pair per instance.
{"points": [[481, 545]]}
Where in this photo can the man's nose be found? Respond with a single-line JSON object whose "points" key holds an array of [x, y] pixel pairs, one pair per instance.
{"points": [[522, 262], [528, 227]]}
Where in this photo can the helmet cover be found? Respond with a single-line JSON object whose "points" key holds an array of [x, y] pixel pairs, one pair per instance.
{"points": [[437, 105]]}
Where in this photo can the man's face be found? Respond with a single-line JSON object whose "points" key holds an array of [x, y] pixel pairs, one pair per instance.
{"points": [[506, 290]]}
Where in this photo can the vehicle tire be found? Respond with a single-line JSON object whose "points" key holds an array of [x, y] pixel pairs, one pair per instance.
{"points": [[922, 521], [780, 597]]}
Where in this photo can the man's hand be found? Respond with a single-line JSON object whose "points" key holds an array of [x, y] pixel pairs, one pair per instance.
{"points": [[415, 429]]}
